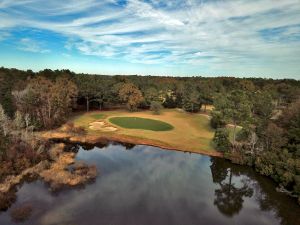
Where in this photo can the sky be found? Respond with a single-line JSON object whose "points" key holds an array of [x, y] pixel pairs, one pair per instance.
{"points": [[244, 38]]}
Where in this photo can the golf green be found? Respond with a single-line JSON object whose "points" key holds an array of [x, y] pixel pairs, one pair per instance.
{"points": [[141, 123]]}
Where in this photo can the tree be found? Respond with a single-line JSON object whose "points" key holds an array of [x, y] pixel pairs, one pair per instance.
{"points": [[262, 109], [4, 122], [235, 108], [273, 137], [206, 95], [87, 88], [170, 100], [156, 107], [18, 120], [3, 145], [46, 102], [64, 92], [190, 99], [217, 120], [130, 94], [290, 122], [151, 95], [221, 140]]}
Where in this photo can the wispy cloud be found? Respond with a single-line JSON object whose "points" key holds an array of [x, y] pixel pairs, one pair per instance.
{"points": [[4, 35], [217, 34], [29, 45]]}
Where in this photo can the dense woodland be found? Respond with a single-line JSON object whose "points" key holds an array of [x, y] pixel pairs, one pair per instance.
{"points": [[264, 113]]}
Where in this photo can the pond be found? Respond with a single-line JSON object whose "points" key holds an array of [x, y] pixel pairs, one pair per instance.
{"points": [[139, 185]]}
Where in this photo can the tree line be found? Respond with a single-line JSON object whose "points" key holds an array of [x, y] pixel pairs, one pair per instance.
{"points": [[100, 92], [268, 137], [256, 120]]}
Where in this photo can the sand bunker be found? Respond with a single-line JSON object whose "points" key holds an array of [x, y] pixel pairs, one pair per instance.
{"points": [[100, 125]]}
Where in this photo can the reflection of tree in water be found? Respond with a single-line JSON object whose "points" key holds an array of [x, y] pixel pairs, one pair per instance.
{"points": [[7, 199], [285, 208], [103, 144], [229, 197]]}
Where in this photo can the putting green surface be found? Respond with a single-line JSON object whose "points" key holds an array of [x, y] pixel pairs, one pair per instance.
{"points": [[141, 123]]}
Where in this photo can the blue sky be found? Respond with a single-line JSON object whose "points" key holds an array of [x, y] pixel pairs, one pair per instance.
{"points": [[180, 38]]}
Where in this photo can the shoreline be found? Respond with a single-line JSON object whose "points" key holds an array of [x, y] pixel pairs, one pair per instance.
{"points": [[96, 139], [60, 170]]}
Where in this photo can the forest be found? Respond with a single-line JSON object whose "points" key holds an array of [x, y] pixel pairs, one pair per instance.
{"points": [[264, 114]]}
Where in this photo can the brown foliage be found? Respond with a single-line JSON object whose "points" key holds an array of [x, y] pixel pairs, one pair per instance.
{"points": [[21, 155], [71, 128], [6, 200], [130, 94], [46, 102], [21, 213]]}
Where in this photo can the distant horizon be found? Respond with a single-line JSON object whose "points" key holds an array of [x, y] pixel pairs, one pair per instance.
{"points": [[258, 38], [154, 75]]}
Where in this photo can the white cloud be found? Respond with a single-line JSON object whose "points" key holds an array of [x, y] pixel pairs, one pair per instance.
{"points": [[29, 45], [217, 33], [4, 35]]}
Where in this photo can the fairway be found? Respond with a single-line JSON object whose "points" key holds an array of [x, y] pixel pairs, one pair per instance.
{"points": [[140, 123], [172, 129]]}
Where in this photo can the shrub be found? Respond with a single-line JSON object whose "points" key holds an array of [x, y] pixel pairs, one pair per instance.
{"points": [[79, 130], [68, 127], [71, 128], [156, 107], [221, 140]]}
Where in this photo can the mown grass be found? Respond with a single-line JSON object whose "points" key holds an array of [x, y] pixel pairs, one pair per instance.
{"points": [[141, 123], [98, 116], [191, 132]]}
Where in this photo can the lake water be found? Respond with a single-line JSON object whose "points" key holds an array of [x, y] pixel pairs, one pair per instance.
{"points": [[141, 185]]}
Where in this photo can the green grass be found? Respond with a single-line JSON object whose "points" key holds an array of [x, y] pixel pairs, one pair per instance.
{"points": [[98, 116], [140, 123]]}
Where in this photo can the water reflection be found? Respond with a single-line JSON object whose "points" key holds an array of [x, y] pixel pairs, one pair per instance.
{"points": [[148, 185], [229, 196], [262, 189]]}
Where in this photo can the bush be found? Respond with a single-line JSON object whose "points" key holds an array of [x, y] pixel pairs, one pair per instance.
{"points": [[156, 107], [71, 128], [79, 130], [221, 140], [68, 127]]}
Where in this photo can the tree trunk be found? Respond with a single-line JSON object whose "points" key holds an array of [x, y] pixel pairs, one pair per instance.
{"points": [[87, 104], [204, 107], [230, 180], [234, 130]]}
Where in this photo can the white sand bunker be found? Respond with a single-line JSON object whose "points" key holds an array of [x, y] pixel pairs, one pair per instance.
{"points": [[100, 125]]}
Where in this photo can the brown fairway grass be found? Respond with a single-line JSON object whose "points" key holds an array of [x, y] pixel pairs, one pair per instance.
{"points": [[191, 132]]}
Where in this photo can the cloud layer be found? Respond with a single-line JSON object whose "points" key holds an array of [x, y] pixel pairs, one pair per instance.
{"points": [[214, 36]]}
